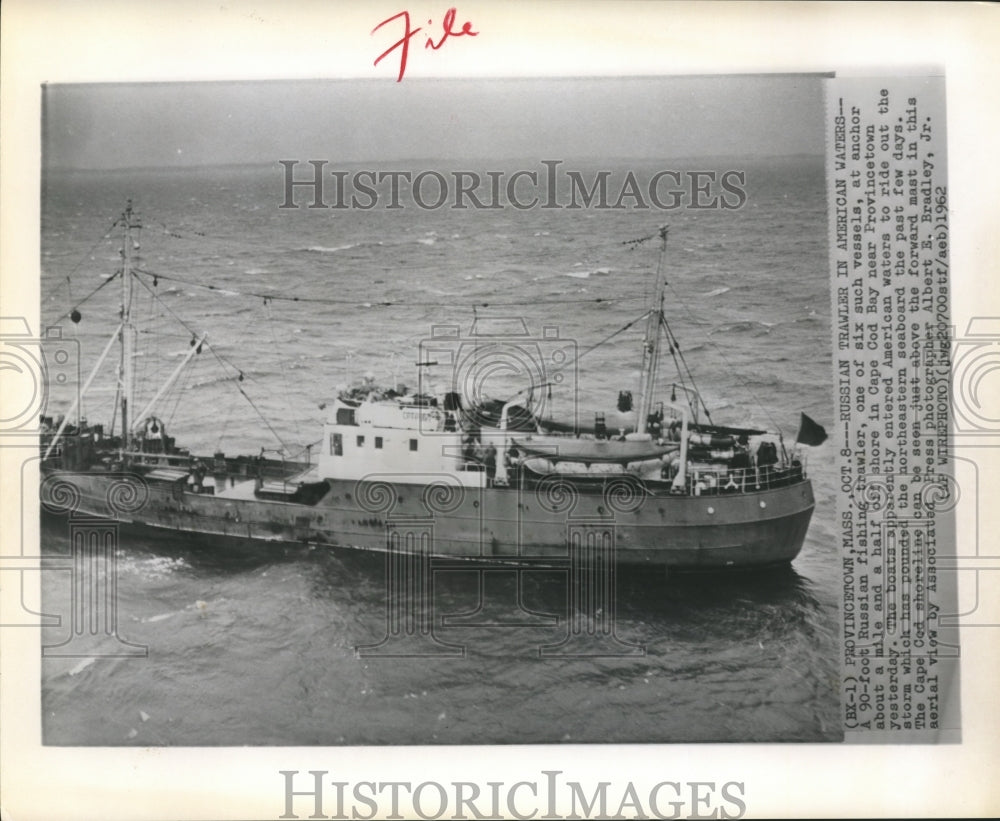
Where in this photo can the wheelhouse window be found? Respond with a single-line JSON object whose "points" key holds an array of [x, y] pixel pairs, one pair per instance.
{"points": [[345, 416], [413, 444], [378, 442], [336, 445], [361, 441]]}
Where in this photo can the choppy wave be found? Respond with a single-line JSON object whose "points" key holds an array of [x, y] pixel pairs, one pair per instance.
{"points": [[82, 665], [753, 326], [587, 274], [323, 249], [149, 567], [214, 380]]}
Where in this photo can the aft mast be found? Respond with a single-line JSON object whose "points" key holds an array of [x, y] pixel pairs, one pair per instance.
{"points": [[651, 345], [127, 366]]}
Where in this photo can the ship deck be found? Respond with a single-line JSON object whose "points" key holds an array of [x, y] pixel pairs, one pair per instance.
{"points": [[247, 489]]}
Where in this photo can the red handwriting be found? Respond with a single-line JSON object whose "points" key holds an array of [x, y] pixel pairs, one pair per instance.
{"points": [[403, 44]]}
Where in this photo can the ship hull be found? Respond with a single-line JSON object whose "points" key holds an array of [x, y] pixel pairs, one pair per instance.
{"points": [[494, 525]]}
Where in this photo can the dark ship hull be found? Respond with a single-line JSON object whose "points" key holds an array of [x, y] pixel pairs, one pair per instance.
{"points": [[524, 523]]}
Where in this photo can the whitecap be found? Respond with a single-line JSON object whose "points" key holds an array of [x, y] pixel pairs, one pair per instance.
{"points": [[153, 567], [718, 291], [323, 249], [82, 665]]}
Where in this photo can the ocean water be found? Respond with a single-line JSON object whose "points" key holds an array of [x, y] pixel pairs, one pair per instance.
{"points": [[257, 646]]}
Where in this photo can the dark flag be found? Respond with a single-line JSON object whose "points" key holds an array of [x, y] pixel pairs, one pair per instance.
{"points": [[810, 432]]}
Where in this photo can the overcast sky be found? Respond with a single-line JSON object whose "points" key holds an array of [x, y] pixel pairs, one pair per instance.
{"points": [[103, 126]]}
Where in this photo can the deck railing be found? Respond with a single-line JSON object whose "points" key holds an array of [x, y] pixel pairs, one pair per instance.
{"points": [[713, 481]]}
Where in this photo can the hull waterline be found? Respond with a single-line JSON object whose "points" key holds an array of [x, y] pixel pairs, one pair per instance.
{"points": [[507, 525]]}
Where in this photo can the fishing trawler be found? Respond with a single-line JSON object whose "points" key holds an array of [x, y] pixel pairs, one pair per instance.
{"points": [[492, 481]]}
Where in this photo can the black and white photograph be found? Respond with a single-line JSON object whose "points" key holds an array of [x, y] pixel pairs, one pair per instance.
{"points": [[411, 437], [500, 427]]}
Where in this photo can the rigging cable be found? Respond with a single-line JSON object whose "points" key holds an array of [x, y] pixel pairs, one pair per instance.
{"points": [[284, 371], [675, 351], [606, 339], [144, 378], [376, 303], [178, 391], [736, 373], [680, 375], [222, 361], [86, 256], [73, 310], [224, 426], [201, 236]]}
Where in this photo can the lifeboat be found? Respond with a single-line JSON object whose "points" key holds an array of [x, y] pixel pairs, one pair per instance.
{"points": [[591, 451]]}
